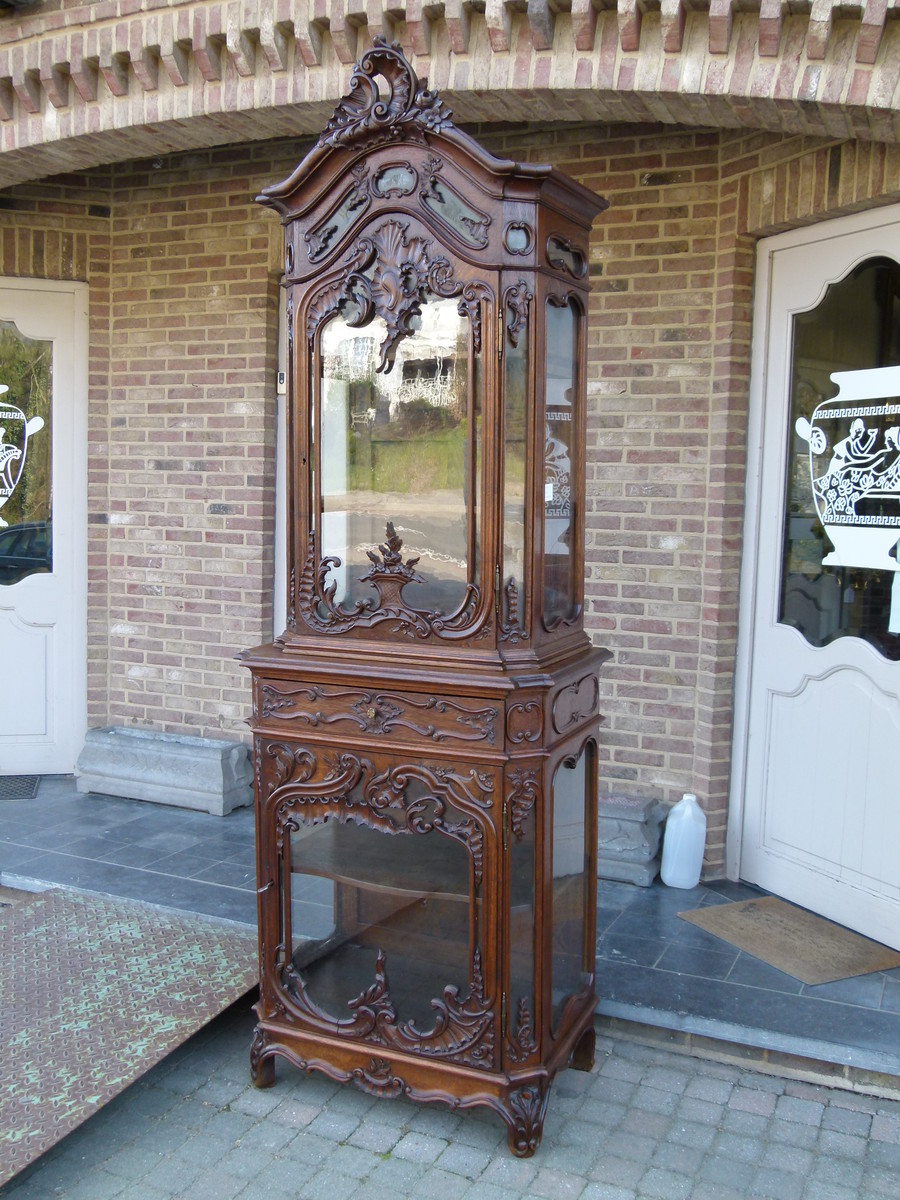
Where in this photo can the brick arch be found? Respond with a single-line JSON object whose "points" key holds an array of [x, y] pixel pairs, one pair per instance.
{"points": [[83, 84]]}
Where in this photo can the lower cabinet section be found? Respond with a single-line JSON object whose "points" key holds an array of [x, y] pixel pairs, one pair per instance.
{"points": [[426, 918]]}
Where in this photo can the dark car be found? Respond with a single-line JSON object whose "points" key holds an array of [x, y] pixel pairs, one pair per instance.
{"points": [[24, 550]]}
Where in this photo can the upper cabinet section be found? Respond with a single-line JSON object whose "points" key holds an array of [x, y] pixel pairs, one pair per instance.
{"points": [[391, 146], [436, 307]]}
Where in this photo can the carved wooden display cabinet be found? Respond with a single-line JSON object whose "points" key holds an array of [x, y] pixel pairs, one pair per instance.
{"points": [[425, 729]]}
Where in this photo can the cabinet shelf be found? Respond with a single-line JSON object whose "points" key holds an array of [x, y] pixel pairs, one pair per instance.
{"points": [[399, 864]]}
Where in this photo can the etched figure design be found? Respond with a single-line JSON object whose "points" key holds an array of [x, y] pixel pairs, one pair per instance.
{"points": [[854, 468], [13, 453]]}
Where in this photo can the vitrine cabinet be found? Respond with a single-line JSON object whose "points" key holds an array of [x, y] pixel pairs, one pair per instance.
{"points": [[425, 729]]}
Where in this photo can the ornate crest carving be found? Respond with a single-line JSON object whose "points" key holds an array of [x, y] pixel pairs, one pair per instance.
{"points": [[362, 118]]}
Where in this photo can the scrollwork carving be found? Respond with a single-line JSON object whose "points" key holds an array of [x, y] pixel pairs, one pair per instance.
{"points": [[527, 1106], [364, 118], [525, 721], [516, 300], [511, 629], [521, 1044], [523, 794], [575, 702], [388, 575], [376, 712]]}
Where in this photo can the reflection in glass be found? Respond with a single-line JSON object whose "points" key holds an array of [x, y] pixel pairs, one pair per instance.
{"points": [[514, 429], [855, 327], [570, 880], [559, 501], [25, 455], [403, 447], [522, 921], [359, 893]]}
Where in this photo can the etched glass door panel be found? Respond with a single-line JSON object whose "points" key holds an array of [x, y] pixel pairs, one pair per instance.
{"points": [[840, 574], [43, 524], [384, 926], [400, 459], [26, 388], [817, 780]]}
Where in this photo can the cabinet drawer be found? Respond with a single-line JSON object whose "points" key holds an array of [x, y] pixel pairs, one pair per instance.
{"points": [[376, 713]]}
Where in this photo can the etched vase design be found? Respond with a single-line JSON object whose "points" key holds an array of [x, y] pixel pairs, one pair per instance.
{"points": [[15, 430], [854, 467]]}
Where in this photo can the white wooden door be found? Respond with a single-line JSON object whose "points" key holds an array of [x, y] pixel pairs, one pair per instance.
{"points": [[43, 525], [818, 697]]}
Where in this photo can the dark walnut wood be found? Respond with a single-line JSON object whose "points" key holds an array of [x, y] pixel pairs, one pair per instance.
{"points": [[426, 727]]}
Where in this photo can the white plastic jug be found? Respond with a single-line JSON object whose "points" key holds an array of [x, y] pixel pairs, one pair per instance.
{"points": [[683, 843]]}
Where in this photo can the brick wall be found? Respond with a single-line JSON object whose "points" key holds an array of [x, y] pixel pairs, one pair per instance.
{"points": [[183, 271]]}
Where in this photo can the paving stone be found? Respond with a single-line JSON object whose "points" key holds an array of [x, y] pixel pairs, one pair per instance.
{"points": [[513, 1173], [777, 1185], [686, 1160], [847, 1120], [607, 1191], [328, 1185], [622, 1171], [556, 1185], [753, 1101], [885, 1129], [794, 1108], [841, 1171], [336, 1125], [100, 1185], [689, 1133], [372, 1135], [842, 1145], [419, 1148], [468, 1161], [666, 1185]]}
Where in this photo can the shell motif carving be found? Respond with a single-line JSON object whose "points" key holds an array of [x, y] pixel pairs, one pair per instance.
{"points": [[387, 275], [575, 703]]}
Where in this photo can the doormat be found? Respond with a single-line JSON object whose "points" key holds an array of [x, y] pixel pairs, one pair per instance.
{"points": [[797, 942], [19, 787], [93, 993]]}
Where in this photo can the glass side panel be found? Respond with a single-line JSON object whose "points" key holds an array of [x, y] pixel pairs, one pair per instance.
{"points": [[361, 899], [521, 920], [26, 385], [570, 880], [400, 447], [559, 501], [842, 520], [514, 458]]}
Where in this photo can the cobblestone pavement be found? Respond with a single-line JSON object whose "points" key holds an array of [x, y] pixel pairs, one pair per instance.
{"points": [[646, 1123]]}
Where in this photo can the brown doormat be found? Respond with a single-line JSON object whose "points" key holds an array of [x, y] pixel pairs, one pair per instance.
{"points": [[94, 992], [797, 942]]}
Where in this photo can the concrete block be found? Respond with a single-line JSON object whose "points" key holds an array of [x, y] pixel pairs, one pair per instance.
{"points": [[628, 837], [208, 774]]}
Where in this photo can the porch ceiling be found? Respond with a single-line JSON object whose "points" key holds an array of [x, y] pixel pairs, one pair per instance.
{"points": [[85, 84]]}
